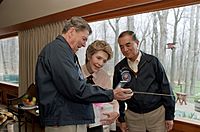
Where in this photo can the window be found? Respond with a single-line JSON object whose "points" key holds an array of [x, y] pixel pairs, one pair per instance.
{"points": [[171, 35], [9, 60]]}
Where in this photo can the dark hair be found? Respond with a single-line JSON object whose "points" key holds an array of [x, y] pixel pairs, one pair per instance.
{"points": [[98, 45], [77, 22], [131, 33]]}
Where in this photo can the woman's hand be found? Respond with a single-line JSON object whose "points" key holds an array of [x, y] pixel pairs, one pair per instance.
{"points": [[109, 118]]}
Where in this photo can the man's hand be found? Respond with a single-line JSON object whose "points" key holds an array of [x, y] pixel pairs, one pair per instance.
{"points": [[122, 93], [123, 127], [169, 124]]}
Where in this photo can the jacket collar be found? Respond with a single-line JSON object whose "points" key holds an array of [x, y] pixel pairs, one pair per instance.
{"points": [[144, 57]]}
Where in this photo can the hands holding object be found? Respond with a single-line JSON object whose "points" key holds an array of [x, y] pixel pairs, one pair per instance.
{"points": [[122, 93], [122, 83]]}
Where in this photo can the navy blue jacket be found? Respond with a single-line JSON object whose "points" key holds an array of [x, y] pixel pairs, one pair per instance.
{"points": [[64, 96], [151, 77]]}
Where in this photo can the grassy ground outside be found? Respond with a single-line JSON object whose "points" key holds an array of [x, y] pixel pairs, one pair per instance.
{"points": [[190, 98], [188, 112]]}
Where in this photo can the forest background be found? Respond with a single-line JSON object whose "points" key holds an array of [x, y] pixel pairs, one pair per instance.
{"points": [[171, 35]]}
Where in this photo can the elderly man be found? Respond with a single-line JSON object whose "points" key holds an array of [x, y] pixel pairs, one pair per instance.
{"points": [[144, 74], [65, 99]]}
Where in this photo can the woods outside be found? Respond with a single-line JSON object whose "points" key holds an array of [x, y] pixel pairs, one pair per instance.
{"points": [[171, 35]]}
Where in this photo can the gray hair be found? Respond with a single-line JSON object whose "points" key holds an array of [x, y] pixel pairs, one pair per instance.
{"points": [[78, 23]]}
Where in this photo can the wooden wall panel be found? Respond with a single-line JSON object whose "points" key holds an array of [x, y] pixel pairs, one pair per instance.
{"points": [[181, 126], [8, 91]]}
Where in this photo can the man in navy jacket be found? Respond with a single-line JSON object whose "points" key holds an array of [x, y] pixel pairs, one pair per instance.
{"points": [[144, 74], [65, 99]]}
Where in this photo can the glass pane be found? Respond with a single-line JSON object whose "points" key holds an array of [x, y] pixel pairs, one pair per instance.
{"points": [[9, 60], [171, 35]]}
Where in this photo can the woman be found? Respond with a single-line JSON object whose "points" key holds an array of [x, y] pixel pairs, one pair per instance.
{"points": [[97, 54]]}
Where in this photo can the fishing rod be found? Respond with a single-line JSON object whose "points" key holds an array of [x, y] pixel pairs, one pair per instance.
{"points": [[149, 93]]}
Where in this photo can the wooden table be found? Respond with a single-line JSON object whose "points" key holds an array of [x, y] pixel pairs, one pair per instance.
{"points": [[181, 97], [32, 117]]}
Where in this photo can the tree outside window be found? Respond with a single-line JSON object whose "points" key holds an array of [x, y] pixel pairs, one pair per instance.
{"points": [[9, 60], [156, 31]]}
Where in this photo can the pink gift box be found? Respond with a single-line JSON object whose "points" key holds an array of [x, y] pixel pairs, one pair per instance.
{"points": [[99, 109]]}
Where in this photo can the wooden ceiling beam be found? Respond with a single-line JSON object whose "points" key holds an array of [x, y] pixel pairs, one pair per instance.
{"points": [[104, 9]]}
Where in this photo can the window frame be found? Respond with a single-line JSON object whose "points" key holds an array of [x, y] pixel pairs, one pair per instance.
{"points": [[105, 9]]}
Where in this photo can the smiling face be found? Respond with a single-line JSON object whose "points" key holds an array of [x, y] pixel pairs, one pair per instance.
{"points": [[76, 32], [78, 39], [96, 61], [129, 47]]}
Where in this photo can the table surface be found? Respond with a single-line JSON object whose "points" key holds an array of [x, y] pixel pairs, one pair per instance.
{"points": [[31, 110]]}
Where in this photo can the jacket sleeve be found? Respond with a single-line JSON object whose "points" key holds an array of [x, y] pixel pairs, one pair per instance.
{"points": [[59, 71], [168, 101], [116, 80]]}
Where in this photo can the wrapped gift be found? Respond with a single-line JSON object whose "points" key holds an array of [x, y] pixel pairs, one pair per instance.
{"points": [[99, 109]]}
